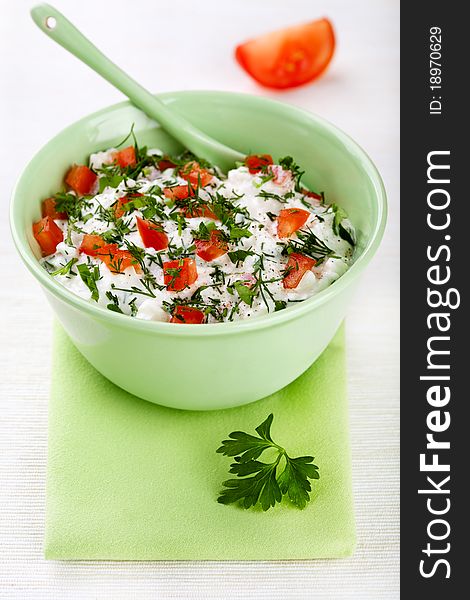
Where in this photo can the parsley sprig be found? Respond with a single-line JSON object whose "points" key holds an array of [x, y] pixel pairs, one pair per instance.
{"points": [[265, 483]]}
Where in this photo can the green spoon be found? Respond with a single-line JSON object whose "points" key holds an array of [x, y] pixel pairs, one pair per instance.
{"points": [[57, 27]]}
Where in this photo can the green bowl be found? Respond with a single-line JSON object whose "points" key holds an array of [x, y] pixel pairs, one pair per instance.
{"points": [[203, 367]]}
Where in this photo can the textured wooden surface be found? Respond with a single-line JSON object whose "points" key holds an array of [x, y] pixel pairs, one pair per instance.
{"points": [[188, 45]]}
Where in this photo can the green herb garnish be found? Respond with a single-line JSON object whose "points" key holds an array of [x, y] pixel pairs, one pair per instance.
{"points": [[265, 483], [311, 245], [237, 232], [246, 293], [288, 163], [66, 269], [114, 304], [90, 275], [239, 256], [338, 227], [72, 205]]}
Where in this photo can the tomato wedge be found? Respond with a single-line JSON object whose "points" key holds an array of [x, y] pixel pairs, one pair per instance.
{"points": [[291, 219], [91, 244], [256, 162], [179, 274], [297, 265], [212, 248], [288, 57], [81, 179], [310, 194], [187, 314], [178, 192], [195, 174], [125, 157], [165, 163], [49, 209], [115, 259], [48, 234], [194, 210], [152, 234], [119, 210], [190, 210]]}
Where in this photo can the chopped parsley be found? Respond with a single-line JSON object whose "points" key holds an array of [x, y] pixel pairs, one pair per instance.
{"points": [[90, 275], [66, 269], [310, 244]]}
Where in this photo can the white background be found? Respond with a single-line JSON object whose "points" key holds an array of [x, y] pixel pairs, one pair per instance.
{"points": [[184, 44]]}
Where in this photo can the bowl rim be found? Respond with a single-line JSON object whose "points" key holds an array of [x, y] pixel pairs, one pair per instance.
{"points": [[209, 329]]}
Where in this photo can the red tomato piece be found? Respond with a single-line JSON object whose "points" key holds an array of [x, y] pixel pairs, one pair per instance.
{"points": [[195, 174], [179, 274], [125, 157], [310, 194], [297, 265], [165, 163], [256, 162], [117, 260], [152, 234], [199, 210], [213, 248], [81, 179], [288, 57], [91, 244], [48, 234], [178, 192], [49, 209], [187, 314], [189, 210], [289, 220], [119, 210]]}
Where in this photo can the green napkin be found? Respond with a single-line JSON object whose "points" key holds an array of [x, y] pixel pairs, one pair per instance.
{"points": [[134, 481]]}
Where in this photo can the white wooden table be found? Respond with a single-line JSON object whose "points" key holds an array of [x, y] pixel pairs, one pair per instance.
{"points": [[187, 45]]}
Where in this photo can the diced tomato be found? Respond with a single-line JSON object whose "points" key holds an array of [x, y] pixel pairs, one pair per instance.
{"points": [[179, 274], [178, 192], [152, 234], [213, 248], [310, 194], [192, 211], [119, 210], [187, 314], [49, 209], [125, 157], [165, 163], [289, 220], [288, 57], [81, 179], [117, 260], [297, 265], [47, 235], [91, 244], [195, 174], [256, 162]]}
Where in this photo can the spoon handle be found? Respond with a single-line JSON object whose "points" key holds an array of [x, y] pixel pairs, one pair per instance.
{"points": [[61, 30]]}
